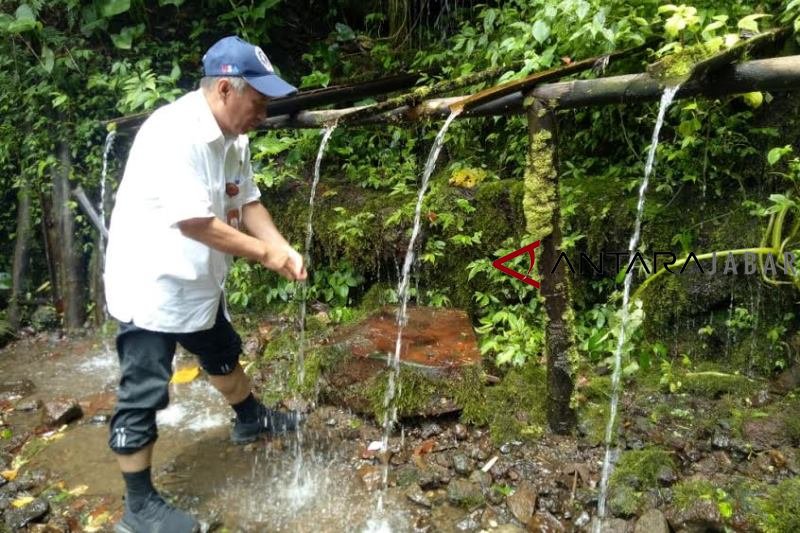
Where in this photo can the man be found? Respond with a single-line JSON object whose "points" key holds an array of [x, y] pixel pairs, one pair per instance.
{"points": [[186, 190]]}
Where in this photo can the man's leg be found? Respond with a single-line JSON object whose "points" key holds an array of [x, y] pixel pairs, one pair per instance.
{"points": [[146, 368], [218, 351]]}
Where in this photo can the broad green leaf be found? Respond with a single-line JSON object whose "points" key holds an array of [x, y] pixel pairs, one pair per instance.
{"points": [[24, 13], [541, 31], [48, 58], [669, 8], [674, 25], [5, 21], [749, 22], [777, 153], [175, 3], [109, 8], [124, 39]]}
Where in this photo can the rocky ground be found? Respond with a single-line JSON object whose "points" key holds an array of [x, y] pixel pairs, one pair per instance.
{"points": [[708, 456]]}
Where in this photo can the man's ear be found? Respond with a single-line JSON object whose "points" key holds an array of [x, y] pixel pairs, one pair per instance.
{"points": [[224, 88]]}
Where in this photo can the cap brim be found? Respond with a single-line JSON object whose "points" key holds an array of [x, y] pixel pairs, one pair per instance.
{"points": [[271, 85]]}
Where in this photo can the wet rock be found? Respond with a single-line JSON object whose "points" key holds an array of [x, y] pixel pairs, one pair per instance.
{"points": [[464, 493], [462, 464], [432, 476], [416, 495], [582, 520], [653, 521], [508, 528], [760, 398], [499, 469], [19, 518], [61, 411], [505, 449], [16, 389], [765, 433], [489, 518], [700, 516], [406, 475], [370, 476], [544, 522], [522, 503], [483, 480], [460, 432], [431, 430], [27, 406], [666, 475], [611, 525], [468, 523], [721, 440], [99, 420]]}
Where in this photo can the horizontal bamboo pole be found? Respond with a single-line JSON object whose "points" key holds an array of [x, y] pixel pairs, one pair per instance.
{"points": [[776, 74]]}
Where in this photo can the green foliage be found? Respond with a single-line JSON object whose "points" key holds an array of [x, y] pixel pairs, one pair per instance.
{"points": [[635, 474], [780, 509]]}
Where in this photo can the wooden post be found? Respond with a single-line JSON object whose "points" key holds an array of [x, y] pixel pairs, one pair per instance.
{"points": [[543, 220]]}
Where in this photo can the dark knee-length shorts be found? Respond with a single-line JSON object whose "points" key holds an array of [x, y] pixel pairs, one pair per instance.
{"points": [[145, 359]]}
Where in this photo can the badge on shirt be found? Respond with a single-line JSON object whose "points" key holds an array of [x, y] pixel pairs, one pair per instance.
{"points": [[231, 189]]}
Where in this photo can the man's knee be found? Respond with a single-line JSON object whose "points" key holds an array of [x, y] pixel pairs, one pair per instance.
{"points": [[132, 430]]}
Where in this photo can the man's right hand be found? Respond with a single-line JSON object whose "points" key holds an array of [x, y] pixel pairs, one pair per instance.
{"points": [[287, 262]]}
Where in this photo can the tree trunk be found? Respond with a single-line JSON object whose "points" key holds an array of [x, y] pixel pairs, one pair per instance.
{"points": [[543, 220], [22, 244], [69, 271]]}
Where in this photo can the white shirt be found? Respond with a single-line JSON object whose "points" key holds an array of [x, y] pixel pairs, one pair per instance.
{"points": [[177, 169]]}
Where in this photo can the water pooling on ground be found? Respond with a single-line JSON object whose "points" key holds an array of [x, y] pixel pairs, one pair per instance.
{"points": [[666, 100]]}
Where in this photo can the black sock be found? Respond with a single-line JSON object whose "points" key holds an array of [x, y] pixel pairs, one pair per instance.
{"points": [[247, 410], [139, 486]]}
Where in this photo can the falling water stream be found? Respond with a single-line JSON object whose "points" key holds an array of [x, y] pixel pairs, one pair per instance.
{"points": [[302, 487], [666, 100], [103, 178], [393, 388]]}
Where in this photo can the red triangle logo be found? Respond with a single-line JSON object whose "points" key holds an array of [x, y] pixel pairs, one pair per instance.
{"points": [[530, 249]]}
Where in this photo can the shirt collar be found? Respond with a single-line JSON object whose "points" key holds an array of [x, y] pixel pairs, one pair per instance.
{"points": [[208, 129]]}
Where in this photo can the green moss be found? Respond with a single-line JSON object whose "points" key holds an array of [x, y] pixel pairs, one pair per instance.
{"points": [[517, 407], [780, 509], [679, 65], [713, 384], [592, 420], [636, 474], [791, 420], [539, 201], [687, 492], [417, 392]]}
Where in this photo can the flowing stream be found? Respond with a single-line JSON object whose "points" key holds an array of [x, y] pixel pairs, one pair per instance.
{"points": [[666, 100], [302, 487], [392, 388]]}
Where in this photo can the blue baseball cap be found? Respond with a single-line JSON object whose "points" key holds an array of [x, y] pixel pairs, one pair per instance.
{"points": [[231, 56]]}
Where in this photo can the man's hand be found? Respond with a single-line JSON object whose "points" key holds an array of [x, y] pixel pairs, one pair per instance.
{"points": [[287, 262]]}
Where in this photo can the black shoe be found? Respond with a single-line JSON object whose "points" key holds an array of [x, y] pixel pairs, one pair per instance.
{"points": [[269, 422], [156, 516]]}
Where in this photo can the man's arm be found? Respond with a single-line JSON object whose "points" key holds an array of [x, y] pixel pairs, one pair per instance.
{"points": [[277, 256]]}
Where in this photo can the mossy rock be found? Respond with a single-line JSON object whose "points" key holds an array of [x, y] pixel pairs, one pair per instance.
{"points": [[635, 475], [713, 384], [779, 510]]}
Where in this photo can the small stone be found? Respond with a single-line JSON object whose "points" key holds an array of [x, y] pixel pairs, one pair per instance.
{"points": [[464, 493], [522, 503], [483, 479], [462, 464], [544, 522], [582, 520], [721, 440], [19, 518], [460, 432], [505, 449], [61, 411], [653, 521], [611, 525], [331, 422], [468, 523], [666, 475], [431, 430], [28, 405], [370, 476], [99, 420], [416, 495]]}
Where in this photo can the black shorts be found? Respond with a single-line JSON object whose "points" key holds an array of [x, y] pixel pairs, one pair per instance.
{"points": [[145, 359]]}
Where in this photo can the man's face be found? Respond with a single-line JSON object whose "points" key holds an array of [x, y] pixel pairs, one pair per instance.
{"points": [[245, 110]]}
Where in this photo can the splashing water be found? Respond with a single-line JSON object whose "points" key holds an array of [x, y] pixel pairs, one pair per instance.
{"points": [[666, 100], [392, 388], [302, 488]]}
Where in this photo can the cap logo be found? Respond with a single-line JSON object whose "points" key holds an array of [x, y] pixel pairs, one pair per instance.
{"points": [[262, 58], [229, 69]]}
